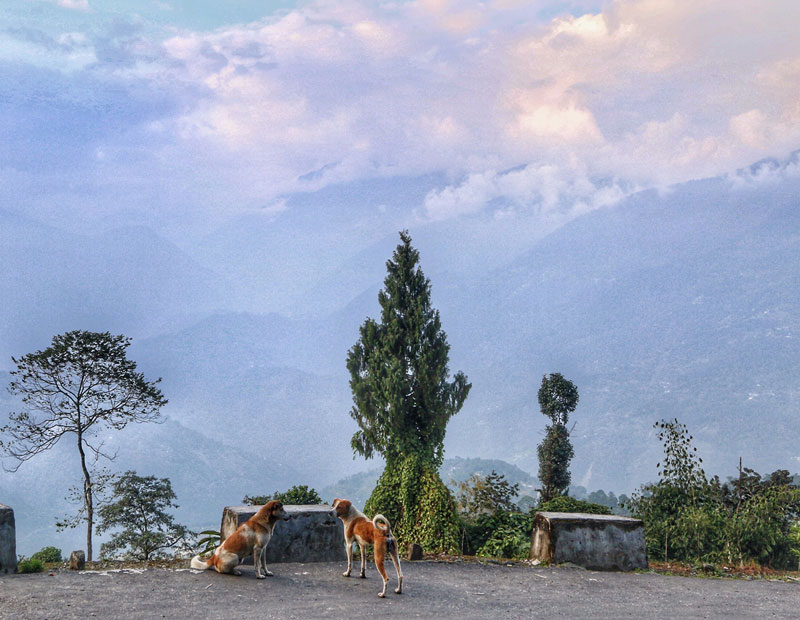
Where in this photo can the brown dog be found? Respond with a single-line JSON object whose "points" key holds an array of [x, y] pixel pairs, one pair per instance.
{"points": [[250, 537], [377, 533]]}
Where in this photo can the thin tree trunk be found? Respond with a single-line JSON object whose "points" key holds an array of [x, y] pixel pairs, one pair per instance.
{"points": [[87, 499]]}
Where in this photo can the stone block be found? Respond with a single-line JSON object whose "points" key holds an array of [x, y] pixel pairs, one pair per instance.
{"points": [[77, 560], [8, 541], [414, 552], [310, 535], [597, 542]]}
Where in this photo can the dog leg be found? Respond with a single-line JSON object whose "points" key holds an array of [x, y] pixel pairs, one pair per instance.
{"points": [[380, 556], [363, 550], [267, 572], [396, 562], [257, 561], [348, 547], [226, 562]]}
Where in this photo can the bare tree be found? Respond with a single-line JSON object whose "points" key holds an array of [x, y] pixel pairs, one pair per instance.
{"points": [[81, 384]]}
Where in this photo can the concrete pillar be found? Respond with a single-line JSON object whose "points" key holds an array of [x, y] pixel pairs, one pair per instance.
{"points": [[8, 541], [598, 542], [310, 535]]}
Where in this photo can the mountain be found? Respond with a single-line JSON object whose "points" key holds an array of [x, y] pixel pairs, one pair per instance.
{"points": [[680, 304], [125, 281]]}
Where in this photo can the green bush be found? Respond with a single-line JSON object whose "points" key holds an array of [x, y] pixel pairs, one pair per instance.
{"points": [[299, 495], [30, 566], [505, 535], [565, 503], [689, 518], [48, 554]]}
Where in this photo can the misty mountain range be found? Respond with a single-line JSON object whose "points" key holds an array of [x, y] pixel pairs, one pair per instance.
{"points": [[675, 304]]}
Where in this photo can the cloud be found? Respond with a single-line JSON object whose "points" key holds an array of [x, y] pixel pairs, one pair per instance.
{"points": [[513, 107], [73, 5], [766, 172], [535, 189]]}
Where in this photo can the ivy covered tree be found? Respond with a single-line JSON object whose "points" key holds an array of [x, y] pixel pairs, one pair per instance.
{"points": [[82, 384], [403, 399], [558, 397]]}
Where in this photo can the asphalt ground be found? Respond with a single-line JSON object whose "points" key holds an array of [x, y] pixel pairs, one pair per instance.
{"points": [[431, 590]]}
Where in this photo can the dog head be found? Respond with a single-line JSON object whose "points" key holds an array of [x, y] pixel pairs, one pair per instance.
{"points": [[276, 511], [341, 508]]}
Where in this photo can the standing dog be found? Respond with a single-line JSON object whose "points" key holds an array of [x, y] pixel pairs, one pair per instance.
{"points": [[251, 536], [377, 532]]}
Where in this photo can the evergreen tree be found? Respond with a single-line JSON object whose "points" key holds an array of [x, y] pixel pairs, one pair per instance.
{"points": [[558, 397], [403, 400]]}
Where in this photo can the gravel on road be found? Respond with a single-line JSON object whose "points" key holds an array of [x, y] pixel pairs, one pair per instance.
{"points": [[431, 590]]}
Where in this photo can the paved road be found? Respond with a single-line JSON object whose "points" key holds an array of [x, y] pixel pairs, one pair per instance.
{"points": [[432, 590]]}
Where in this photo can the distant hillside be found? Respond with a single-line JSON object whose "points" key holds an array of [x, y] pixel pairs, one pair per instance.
{"points": [[128, 280], [358, 487], [206, 475], [676, 305]]}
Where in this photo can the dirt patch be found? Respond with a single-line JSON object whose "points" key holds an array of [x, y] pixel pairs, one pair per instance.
{"points": [[747, 571]]}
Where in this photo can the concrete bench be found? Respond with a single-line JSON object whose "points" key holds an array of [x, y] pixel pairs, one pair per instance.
{"points": [[8, 541], [597, 542], [310, 535]]}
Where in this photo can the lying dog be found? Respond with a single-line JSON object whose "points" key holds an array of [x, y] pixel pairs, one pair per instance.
{"points": [[377, 532], [250, 537]]}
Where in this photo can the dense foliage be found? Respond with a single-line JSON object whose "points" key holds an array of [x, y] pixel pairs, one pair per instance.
{"points": [[403, 401], [140, 510], [687, 517], [30, 565], [417, 503], [494, 527], [82, 384], [480, 495], [300, 495], [565, 503], [558, 397], [48, 554]]}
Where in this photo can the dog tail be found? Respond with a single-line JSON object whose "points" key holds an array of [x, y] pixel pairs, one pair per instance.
{"points": [[382, 523], [199, 563]]}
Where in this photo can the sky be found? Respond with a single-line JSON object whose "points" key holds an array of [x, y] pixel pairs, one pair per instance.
{"points": [[185, 114]]}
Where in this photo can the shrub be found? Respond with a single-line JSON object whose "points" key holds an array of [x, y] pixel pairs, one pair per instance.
{"points": [[506, 535], [565, 503], [30, 565], [47, 554], [687, 517], [208, 543], [299, 495]]}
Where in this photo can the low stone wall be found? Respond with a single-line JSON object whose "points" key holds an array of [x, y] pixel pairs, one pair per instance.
{"points": [[8, 541], [598, 542], [310, 535]]}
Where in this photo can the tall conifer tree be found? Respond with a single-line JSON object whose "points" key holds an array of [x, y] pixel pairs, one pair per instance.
{"points": [[403, 400], [558, 397]]}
